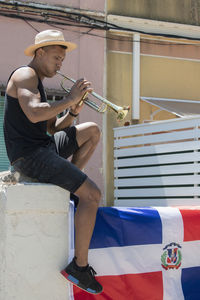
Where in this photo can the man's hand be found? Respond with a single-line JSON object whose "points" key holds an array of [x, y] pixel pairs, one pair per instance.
{"points": [[79, 89], [75, 109], [77, 93]]}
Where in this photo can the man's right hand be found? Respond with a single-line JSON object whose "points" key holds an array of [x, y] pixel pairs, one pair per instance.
{"points": [[79, 89]]}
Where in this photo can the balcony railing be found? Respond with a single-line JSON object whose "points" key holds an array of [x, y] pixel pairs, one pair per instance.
{"points": [[157, 163]]}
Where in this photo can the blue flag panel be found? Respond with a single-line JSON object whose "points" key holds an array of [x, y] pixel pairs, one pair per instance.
{"points": [[191, 283], [126, 226]]}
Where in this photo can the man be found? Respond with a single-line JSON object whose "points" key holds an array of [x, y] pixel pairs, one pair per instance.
{"points": [[36, 154]]}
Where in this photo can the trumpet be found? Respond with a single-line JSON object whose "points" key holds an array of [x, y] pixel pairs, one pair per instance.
{"points": [[121, 111]]}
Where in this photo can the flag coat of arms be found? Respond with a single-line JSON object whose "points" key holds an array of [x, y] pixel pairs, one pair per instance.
{"points": [[145, 254]]}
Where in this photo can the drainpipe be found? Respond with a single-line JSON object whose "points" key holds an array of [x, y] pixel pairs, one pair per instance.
{"points": [[136, 78]]}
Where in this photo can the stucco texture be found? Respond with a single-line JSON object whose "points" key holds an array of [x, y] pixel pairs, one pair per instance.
{"points": [[177, 11]]}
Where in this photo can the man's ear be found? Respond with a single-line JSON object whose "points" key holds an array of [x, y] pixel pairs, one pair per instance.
{"points": [[39, 52]]}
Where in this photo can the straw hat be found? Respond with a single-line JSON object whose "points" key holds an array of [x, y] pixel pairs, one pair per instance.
{"points": [[49, 38]]}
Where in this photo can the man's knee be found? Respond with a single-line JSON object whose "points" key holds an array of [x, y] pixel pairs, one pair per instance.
{"points": [[88, 131], [95, 195], [95, 132], [89, 192]]}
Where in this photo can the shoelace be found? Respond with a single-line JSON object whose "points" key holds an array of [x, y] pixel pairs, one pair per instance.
{"points": [[91, 271]]}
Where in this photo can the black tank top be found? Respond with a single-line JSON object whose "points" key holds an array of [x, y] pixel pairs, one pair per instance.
{"points": [[22, 136]]}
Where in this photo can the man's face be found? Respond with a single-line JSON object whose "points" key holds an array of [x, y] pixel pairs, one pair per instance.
{"points": [[51, 59]]}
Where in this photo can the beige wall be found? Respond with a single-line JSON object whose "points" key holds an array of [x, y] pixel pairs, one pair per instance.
{"points": [[170, 78], [166, 70], [167, 78], [178, 11], [119, 91]]}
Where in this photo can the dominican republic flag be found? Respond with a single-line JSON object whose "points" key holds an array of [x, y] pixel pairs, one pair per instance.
{"points": [[146, 254]]}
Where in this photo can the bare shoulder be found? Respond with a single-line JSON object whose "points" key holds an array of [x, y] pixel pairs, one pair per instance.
{"points": [[22, 78], [25, 76]]}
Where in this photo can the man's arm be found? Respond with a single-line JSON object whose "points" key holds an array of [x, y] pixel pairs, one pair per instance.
{"points": [[57, 124], [25, 81]]}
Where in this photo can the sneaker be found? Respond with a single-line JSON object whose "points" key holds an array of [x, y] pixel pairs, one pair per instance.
{"points": [[84, 279]]}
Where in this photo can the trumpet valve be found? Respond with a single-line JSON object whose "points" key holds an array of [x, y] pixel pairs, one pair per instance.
{"points": [[102, 108]]}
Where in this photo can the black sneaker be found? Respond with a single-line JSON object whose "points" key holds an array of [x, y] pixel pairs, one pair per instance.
{"points": [[84, 279]]}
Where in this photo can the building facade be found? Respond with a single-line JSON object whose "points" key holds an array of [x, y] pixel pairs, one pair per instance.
{"points": [[154, 51], [128, 49]]}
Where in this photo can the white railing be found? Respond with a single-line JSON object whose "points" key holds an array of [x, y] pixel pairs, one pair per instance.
{"points": [[157, 163]]}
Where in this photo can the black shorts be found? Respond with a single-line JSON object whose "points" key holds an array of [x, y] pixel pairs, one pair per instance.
{"points": [[49, 164]]}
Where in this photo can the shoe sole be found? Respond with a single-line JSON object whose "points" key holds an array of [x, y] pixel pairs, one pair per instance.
{"points": [[75, 281]]}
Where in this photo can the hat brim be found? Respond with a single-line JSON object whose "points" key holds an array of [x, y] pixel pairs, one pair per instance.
{"points": [[30, 51]]}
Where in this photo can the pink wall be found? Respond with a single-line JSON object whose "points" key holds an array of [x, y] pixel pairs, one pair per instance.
{"points": [[92, 67], [87, 60]]}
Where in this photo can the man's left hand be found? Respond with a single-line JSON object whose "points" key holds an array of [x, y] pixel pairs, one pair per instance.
{"points": [[75, 109]]}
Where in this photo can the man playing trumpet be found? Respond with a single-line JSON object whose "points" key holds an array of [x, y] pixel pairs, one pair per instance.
{"points": [[36, 154]]}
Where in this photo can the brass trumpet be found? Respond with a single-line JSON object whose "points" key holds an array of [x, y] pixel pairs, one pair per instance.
{"points": [[121, 111]]}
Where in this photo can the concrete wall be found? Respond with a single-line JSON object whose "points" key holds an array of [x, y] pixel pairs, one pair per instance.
{"points": [[97, 5], [35, 237], [178, 11]]}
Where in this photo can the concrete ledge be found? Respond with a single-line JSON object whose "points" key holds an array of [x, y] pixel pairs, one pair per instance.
{"points": [[34, 241]]}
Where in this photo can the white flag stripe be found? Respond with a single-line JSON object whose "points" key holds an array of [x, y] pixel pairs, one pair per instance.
{"points": [[190, 254], [126, 260], [172, 285], [172, 224], [172, 231], [140, 259]]}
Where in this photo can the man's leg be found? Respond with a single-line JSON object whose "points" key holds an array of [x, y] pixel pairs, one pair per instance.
{"points": [[73, 179], [87, 136], [78, 271], [89, 198]]}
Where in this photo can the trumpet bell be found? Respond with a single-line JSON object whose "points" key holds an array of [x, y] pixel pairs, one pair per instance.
{"points": [[122, 113]]}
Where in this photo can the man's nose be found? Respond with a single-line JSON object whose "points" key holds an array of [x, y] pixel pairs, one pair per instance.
{"points": [[59, 64]]}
